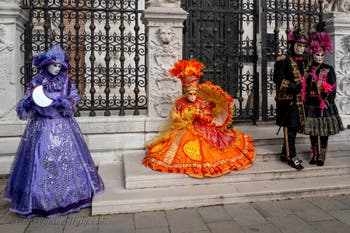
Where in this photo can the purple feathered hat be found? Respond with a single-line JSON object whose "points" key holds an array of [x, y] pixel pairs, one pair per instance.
{"points": [[54, 56]]}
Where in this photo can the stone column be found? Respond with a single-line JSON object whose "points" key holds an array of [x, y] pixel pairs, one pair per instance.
{"points": [[337, 25], [12, 19], [164, 24]]}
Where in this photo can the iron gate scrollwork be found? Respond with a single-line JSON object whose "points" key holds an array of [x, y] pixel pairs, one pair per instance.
{"points": [[223, 35], [106, 41], [277, 18]]}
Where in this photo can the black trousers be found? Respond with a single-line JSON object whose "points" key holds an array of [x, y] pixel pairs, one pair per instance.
{"points": [[288, 148]]}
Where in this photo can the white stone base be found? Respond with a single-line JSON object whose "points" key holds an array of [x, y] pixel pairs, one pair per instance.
{"points": [[141, 189]]}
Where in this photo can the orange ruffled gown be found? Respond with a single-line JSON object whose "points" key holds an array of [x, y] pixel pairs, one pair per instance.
{"points": [[198, 142]]}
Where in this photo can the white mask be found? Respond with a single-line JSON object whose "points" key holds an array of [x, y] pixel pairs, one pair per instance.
{"points": [[318, 57], [299, 48], [54, 69], [192, 95]]}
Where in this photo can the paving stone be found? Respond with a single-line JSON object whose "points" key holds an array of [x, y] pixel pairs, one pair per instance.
{"points": [[261, 228], [150, 220], [331, 226], [153, 230], [291, 224], [327, 204], [42, 221], [185, 220], [214, 214], [271, 209], [3, 180], [82, 225], [85, 212], [304, 209], [11, 218], [201, 231], [245, 214], [4, 207], [120, 223], [225, 227], [2, 188], [342, 215], [12, 228], [345, 199], [47, 225]]}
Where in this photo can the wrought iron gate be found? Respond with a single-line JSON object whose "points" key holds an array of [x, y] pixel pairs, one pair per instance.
{"points": [[238, 54], [107, 44], [277, 18], [223, 35]]}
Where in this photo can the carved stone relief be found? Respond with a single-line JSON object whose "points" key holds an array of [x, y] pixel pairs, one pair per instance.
{"points": [[164, 50], [343, 75], [5, 72], [336, 6], [5, 49], [4, 45], [163, 3], [163, 102]]}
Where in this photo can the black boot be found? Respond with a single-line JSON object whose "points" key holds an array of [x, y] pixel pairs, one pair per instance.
{"points": [[322, 157], [315, 155], [295, 163]]}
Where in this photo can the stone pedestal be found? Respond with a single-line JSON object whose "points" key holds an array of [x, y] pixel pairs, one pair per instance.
{"points": [[164, 31], [337, 25], [12, 19]]}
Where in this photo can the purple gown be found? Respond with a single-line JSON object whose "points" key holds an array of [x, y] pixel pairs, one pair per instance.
{"points": [[53, 172]]}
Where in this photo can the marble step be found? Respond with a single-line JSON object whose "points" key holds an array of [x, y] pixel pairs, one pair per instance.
{"points": [[266, 135], [137, 176], [117, 199], [303, 150]]}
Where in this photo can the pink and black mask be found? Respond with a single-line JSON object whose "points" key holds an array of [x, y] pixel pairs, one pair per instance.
{"points": [[319, 43]]}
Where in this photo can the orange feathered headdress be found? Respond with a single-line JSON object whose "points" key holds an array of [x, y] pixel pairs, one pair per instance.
{"points": [[189, 72]]}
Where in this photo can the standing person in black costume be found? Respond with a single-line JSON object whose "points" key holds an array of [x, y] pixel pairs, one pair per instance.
{"points": [[318, 93], [288, 73]]}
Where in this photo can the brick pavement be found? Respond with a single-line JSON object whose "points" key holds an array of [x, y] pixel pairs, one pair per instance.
{"points": [[314, 215]]}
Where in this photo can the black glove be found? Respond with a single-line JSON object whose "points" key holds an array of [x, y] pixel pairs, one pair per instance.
{"points": [[324, 95], [295, 87]]}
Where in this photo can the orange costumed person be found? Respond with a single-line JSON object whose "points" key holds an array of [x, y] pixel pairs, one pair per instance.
{"points": [[198, 142]]}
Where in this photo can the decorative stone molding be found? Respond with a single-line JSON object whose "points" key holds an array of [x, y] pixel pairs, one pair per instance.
{"points": [[163, 3], [342, 56], [12, 19], [5, 62], [5, 46], [163, 102], [337, 25], [336, 6], [164, 30]]}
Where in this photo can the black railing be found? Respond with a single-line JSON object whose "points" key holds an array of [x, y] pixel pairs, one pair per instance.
{"points": [[223, 35], [107, 43], [277, 18]]}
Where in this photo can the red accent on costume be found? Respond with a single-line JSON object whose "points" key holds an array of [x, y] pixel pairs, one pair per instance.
{"points": [[198, 142]]}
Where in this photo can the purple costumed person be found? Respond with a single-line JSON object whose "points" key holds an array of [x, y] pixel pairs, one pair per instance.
{"points": [[53, 172]]}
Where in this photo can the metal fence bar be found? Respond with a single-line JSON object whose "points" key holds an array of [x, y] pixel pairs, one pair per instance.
{"points": [[107, 43]]}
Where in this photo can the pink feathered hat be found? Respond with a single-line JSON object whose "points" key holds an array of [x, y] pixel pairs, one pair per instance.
{"points": [[320, 41]]}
